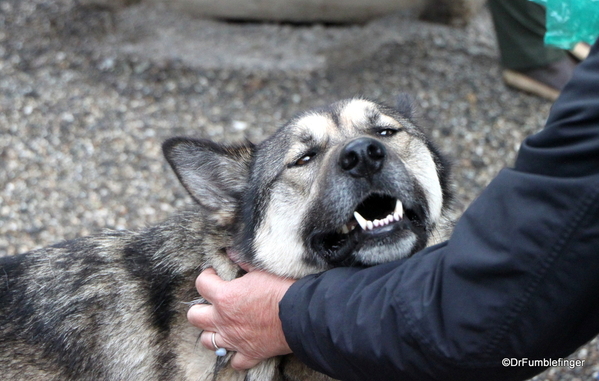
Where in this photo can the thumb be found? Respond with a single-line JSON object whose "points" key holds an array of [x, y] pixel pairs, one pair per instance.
{"points": [[247, 267], [208, 283]]}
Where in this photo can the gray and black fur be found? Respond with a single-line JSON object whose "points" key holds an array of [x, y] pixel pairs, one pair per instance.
{"points": [[112, 306]]}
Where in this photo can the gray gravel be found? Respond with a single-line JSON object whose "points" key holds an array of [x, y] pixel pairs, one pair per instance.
{"points": [[87, 97]]}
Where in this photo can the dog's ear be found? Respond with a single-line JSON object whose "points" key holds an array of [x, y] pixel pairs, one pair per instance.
{"points": [[215, 175], [404, 104]]}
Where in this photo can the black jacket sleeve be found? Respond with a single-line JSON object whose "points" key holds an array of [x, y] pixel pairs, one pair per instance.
{"points": [[519, 277]]}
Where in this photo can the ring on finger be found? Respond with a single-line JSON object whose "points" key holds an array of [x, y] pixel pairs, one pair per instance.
{"points": [[219, 351]]}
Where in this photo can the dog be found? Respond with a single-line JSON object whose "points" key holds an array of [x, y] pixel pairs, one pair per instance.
{"points": [[355, 183]]}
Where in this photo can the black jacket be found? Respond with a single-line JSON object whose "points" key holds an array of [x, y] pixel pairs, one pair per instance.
{"points": [[519, 277]]}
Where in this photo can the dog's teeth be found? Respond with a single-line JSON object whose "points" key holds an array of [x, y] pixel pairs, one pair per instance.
{"points": [[344, 229], [361, 220], [369, 225], [398, 209]]}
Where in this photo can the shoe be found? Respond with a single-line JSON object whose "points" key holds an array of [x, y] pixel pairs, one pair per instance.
{"points": [[545, 82], [580, 51]]}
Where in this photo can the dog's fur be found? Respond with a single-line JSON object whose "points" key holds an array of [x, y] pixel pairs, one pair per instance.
{"points": [[111, 306]]}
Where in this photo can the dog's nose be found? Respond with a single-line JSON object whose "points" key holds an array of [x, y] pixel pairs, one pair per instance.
{"points": [[362, 157]]}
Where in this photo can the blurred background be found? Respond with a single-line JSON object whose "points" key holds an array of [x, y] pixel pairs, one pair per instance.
{"points": [[89, 89]]}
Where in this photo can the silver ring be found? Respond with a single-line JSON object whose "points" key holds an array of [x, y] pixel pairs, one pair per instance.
{"points": [[219, 351]]}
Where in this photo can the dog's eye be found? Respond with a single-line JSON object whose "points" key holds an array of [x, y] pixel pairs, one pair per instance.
{"points": [[387, 132], [304, 159]]}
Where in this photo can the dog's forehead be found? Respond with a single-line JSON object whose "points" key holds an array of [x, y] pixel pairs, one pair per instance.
{"points": [[345, 118], [314, 127], [360, 113]]}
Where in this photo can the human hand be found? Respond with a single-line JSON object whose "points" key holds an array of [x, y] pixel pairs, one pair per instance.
{"points": [[244, 314]]}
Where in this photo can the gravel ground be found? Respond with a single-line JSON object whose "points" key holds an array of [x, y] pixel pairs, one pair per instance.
{"points": [[87, 96]]}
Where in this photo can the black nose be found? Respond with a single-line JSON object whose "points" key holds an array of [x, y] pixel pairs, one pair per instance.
{"points": [[362, 157]]}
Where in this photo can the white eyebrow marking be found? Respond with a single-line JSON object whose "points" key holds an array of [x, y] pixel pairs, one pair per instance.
{"points": [[312, 129]]}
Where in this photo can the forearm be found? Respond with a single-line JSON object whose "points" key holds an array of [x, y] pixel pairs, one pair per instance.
{"points": [[521, 263], [452, 311]]}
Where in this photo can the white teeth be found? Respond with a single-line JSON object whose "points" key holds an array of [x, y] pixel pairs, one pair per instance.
{"points": [[398, 209], [361, 220], [345, 229], [369, 225]]}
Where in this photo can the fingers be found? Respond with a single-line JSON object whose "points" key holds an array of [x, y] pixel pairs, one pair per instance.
{"points": [[244, 315], [202, 316], [206, 339], [238, 361], [241, 362]]}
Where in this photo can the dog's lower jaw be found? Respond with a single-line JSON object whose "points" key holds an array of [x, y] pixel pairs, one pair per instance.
{"points": [[387, 253], [361, 247]]}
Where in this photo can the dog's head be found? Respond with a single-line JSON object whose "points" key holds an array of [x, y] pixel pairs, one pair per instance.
{"points": [[355, 183]]}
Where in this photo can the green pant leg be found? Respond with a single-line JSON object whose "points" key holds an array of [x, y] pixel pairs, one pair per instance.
{"points": [[520, 29]]}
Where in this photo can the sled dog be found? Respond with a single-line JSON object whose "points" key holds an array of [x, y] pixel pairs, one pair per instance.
{"points": [[355, 183]]}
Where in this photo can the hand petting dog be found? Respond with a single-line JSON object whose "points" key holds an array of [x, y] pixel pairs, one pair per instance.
{"points": [[256, 334]]}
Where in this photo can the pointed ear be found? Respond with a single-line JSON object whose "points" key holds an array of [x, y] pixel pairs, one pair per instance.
{"points": [[404, 104], [215, 175]]}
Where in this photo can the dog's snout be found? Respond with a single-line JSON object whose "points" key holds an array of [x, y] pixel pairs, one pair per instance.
{"points": [[362, 157]]}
